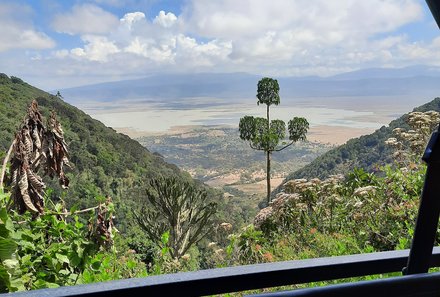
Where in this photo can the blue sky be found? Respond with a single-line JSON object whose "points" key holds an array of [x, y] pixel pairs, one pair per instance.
{"points": [[58, 44]]}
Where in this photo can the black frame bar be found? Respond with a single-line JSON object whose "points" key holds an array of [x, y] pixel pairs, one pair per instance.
{"points": [[241, 278], [426, 285], [429, 210]]}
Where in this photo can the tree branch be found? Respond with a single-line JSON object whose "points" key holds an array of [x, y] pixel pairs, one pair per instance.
{"points": [[286, 146], [68, 213]]}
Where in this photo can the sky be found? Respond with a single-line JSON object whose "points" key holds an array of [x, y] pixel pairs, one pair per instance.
{"points": [[58, 44]]}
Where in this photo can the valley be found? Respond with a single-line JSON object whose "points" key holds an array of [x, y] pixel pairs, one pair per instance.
{"points": [[217, 156]]}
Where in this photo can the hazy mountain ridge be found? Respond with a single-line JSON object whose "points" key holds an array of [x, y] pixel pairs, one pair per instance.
{"points": [[411, 81]]}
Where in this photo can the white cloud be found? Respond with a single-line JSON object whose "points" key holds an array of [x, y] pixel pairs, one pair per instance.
{"points": [[155, 43], [158, 51], [85, 19], [18, 32], [23, 39], [97, 48], [130, 18], [165, 20], [61, 53], [190, 52], [236, 19]]}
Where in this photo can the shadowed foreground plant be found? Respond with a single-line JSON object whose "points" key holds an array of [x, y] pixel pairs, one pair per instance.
{"points": [[180, 208]]}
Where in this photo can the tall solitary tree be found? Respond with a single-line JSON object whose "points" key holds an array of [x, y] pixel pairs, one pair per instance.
{"points": [[270, 135]]}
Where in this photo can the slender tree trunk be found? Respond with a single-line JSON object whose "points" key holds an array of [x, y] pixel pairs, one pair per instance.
{"points": [[268, 176], [267, 116], [268, 159]]}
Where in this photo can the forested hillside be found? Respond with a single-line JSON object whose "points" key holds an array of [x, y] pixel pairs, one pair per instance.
{"points": [[366, 152], [104, 162]]}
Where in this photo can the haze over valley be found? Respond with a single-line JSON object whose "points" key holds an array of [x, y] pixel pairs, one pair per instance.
{"points": [[356, 102]]}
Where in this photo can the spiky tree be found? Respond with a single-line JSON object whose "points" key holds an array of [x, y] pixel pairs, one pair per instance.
{"points": [[178, 207], [270, 136]]}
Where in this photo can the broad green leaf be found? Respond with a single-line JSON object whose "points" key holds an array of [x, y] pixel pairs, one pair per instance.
{"points": [[73, 209], [75, 260], [7, 248], [6, 226], [73, 276], [26, 259], [52, 285], [17, 284], [165, 237], [62, 258]]}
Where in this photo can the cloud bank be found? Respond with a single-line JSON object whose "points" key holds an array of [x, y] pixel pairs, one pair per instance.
{"points": [[274, 37]]}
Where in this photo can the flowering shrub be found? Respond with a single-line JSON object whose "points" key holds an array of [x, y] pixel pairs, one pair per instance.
{"points": [[410, 144]]}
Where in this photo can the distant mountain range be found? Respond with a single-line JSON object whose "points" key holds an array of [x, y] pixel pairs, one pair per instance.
{"points": [[418, 81]]}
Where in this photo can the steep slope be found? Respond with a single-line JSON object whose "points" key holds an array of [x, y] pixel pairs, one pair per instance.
{"points": [[364, 152], [104, 161]]}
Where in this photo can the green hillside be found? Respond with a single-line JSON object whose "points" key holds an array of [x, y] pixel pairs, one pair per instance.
{"points": [[104, 161], [367, 152]]}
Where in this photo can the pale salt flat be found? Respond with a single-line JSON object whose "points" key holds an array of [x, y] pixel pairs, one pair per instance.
{"points": [[343, 118]]}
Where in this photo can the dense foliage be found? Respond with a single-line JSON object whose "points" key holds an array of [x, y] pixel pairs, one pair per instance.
{"points": [[58, 248], [55, 246]]}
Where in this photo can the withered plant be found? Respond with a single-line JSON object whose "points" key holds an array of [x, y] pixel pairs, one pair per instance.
{"points": [[101, 227], [36, 148], [40, 150]]}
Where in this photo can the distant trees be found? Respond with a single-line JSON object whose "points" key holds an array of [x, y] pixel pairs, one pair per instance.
{"points": [[178, 207], [266, 135]]}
